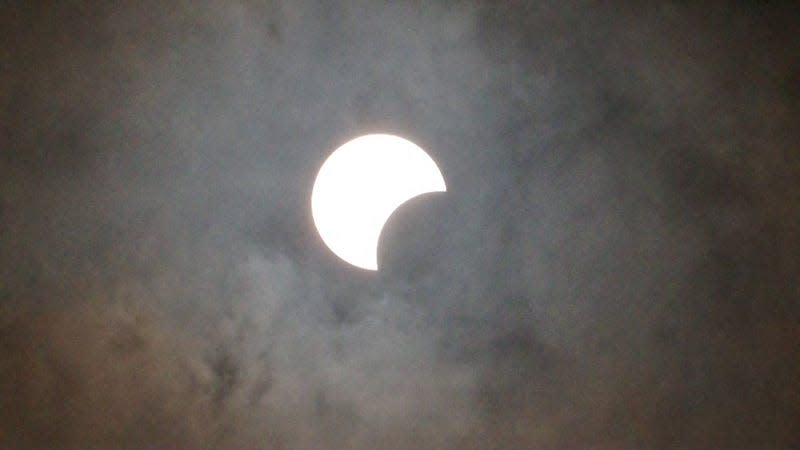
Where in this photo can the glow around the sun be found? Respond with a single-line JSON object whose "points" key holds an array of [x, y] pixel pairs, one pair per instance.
{"points": [[360, 185]]}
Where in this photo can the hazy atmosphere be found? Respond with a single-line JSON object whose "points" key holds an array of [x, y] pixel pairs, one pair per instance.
{"points": [[614, 264]]}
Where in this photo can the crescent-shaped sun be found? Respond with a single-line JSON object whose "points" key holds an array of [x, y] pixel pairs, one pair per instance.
{"points": [[360, 185]]}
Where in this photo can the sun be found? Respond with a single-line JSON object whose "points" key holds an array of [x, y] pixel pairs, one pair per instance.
{"points": [[360, 185]]}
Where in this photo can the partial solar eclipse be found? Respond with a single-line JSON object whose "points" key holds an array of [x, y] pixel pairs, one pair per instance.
{"points": [[360, 185]]}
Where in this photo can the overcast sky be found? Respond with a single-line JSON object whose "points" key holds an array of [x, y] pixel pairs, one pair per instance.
{"points": [[615, 263]]}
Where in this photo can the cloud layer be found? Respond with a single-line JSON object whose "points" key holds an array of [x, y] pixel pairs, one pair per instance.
{"points": [[614, 263]]}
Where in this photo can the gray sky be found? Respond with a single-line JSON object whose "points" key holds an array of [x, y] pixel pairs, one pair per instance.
{"points": [[614, 264]]}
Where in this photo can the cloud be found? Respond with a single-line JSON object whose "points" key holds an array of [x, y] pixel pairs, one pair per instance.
{"points": [[614, 256]]}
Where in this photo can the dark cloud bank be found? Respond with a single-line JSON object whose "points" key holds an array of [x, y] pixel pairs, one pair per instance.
{"points": [[615, 263]]}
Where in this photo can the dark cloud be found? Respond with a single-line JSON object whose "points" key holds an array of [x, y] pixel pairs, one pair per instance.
{"points": [[614, 264]]}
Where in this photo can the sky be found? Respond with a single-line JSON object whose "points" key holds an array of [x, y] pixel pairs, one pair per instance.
{"points": [[614, 264]]}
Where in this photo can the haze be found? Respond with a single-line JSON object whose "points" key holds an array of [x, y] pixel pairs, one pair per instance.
{"points": [[614, 264]]}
